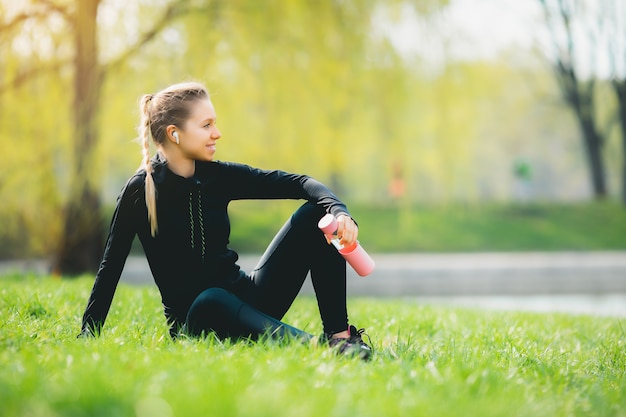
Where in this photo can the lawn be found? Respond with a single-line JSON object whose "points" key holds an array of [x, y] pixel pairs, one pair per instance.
{"points": [[429, 360], [383, 228], [454, 228]]}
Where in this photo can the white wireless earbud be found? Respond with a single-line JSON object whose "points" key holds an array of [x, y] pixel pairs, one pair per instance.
{"points": [[175, 134]]}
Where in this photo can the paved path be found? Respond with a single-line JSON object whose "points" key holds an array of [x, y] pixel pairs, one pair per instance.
{"points": [[497, 274], [581, 282], [534, 273]]}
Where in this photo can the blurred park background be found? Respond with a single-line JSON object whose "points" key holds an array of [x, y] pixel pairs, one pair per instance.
{"points": [[447, 126]]}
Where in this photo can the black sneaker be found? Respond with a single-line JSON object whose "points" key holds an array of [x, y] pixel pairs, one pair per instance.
{"points": [[351, 346]]}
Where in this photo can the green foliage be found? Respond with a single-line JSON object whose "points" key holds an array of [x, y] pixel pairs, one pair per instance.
{"points": [[429, 360], [310, 87]]}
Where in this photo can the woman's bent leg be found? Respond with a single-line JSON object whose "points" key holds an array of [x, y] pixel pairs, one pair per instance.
{"points": [[300, 247], [220, 311]]}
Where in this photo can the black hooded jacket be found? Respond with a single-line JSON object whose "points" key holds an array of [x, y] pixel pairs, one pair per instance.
{"points": [[190, 252]]}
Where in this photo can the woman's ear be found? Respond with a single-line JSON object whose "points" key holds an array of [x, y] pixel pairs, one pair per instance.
{"points": [[172, 134]]}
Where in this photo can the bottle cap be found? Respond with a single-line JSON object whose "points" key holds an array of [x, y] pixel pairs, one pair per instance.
{"points": [[328, 224]]}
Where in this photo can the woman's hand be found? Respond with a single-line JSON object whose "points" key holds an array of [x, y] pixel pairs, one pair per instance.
{"points": [[347, 230]]}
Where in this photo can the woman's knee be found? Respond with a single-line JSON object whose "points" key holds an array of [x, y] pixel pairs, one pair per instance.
{"points": [[215, 309], [308, 215]]}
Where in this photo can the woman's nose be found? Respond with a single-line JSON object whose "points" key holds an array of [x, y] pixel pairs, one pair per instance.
{"points": [[216, 134]]}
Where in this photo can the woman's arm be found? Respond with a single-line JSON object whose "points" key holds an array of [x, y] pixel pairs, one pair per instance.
{"points": [[121, 234], [245, 182]]}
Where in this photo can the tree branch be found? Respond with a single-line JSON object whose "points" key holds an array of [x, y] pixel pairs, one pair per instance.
{"points": [[173, 10], [17, 20], [51, 6], [36, 14], [31, 73], [564, 65]]}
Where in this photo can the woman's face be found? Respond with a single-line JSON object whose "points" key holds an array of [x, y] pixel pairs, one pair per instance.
{"points": [[199, 133]]}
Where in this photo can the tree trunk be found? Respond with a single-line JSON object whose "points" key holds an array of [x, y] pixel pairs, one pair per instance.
{"points": [[579, 95], [82, 241], [593, 147], [580, 98]]}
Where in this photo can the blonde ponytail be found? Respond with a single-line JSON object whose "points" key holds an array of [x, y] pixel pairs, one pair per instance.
{"points": [[167, 107], [145, 134]]}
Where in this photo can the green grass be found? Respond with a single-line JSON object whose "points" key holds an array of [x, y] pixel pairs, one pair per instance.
{"points": [[449, 228], [487, 227], [429, 361]]}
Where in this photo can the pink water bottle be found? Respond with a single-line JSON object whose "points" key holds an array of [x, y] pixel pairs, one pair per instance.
{"points": [[354, 254]]}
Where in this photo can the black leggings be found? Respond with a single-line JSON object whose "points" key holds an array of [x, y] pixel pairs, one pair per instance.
{"points": [[257, 307]]}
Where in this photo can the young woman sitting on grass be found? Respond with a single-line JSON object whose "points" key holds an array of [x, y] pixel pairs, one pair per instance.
{"points": [[177, 204]]}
